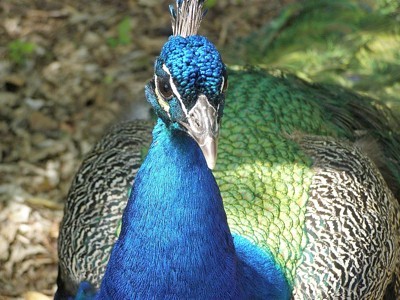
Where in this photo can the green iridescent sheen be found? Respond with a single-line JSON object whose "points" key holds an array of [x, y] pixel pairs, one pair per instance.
{"points": [[262, 174]]}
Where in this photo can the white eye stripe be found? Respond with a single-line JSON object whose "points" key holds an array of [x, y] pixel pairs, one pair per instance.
{"points": [[222, 84], [175, 90]]}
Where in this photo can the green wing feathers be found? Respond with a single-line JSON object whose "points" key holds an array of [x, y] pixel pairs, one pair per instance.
{"points": [[263, 172]]}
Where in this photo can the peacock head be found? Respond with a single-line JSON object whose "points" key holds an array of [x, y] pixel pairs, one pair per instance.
{"points": [[190, 80]]}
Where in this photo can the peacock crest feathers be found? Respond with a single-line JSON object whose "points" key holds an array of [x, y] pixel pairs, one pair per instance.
{"points": [[186, 17]]}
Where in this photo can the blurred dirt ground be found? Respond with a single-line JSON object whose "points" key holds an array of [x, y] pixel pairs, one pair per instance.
{"points": [[67, 70]]}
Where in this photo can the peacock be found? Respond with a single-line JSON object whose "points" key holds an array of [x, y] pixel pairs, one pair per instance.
{"points": [[302, 202]]}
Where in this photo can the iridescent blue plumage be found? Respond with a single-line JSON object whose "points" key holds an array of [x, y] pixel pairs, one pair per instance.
{"points": [[175, 241], [195, 64]]}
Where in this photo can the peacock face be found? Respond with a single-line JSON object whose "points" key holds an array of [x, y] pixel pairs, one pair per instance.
{"points": [[188, 90]]}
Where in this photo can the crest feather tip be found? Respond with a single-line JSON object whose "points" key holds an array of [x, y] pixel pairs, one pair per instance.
{"points": [[186, 17]]}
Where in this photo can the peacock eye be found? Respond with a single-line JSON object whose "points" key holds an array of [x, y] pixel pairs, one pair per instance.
{"points": [[164, 86], [224, 85]]}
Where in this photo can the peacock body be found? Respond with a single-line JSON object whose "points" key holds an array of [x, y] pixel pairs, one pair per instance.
{"points": [[308, 211]]}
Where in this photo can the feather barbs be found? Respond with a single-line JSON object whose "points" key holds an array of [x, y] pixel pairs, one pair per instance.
{"points": [[186, 17]]}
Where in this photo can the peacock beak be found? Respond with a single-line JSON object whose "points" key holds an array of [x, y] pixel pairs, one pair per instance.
{"points": [[209, 149], [202, 125]]}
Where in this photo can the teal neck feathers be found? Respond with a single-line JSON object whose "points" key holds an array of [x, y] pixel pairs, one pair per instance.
{"points": [[175, 241]]}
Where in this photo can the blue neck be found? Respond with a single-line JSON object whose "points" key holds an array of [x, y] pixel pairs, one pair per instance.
{"points": [[175, 241]]}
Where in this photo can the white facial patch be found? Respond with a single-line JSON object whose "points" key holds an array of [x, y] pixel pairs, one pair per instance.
{"points": [[222, 85]]}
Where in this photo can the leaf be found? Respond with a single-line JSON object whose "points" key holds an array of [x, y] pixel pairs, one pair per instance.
{"points": [[125, 31]]}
